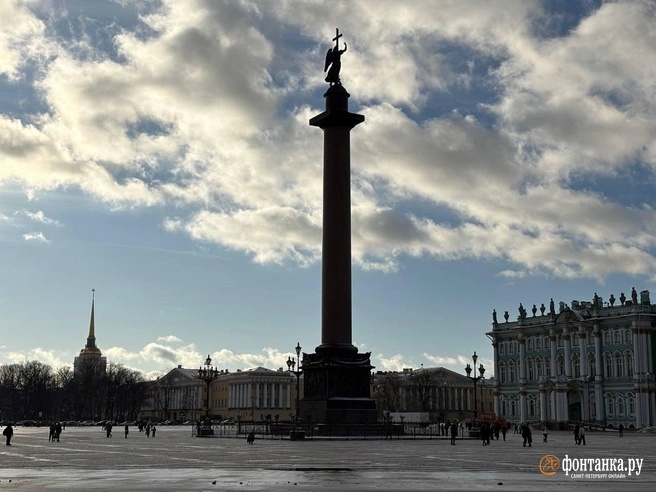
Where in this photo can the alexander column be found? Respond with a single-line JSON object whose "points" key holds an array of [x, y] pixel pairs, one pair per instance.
{"points": [[336, 376]]}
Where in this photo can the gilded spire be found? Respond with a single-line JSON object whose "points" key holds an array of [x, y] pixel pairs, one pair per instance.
{"points": [[91, 339]]}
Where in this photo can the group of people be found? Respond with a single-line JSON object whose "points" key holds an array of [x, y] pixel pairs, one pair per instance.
{"points": [[54, 431], [149, 428]]}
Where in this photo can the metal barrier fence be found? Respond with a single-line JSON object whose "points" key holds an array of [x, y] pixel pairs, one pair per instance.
{"points": [[328, 431]]}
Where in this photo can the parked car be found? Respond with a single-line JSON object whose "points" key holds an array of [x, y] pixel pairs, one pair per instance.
{"points": [[29, 423], [72, 423], [87, 423], [5, 423]]}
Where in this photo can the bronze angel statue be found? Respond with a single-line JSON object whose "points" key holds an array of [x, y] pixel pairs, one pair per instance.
{"points": [[333, 60]]}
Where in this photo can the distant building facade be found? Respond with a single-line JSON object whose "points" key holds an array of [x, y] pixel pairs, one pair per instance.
{"points": [[90, 362], [253, 394], [440, 392], [591, 361]]}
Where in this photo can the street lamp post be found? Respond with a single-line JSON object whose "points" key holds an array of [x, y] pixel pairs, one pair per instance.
{"points": [[208, 374], [475, 379], [291, 365]]}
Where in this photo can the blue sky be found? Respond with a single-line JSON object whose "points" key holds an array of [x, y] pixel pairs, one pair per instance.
{"points": [[160, 152]]}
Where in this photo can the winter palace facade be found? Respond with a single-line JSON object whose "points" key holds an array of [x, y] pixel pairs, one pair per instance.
{"points": [[590, 361]]}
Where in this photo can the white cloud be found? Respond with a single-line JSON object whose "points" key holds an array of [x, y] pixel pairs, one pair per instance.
{"points": [[169, 339], [39, 216], [197, 114], [36, 236], [42, 355]]}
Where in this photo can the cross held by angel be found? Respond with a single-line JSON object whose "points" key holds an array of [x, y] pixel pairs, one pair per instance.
{"points": [[333, 59]]}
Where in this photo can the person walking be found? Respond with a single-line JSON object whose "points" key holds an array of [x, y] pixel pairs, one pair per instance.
{"points": [[545, 433], [127, 431], [8, 433], [153, 430], [526, 434], [621, 429], [504, 430], [454, 433], [108, 429], [577, 428], [582, 435], [51, 433], [147, 430], [58, 430]]}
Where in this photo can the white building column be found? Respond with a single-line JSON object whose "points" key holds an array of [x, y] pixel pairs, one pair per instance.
{"points": [[568, 354], [257, 395], [522, 358], [249, 396], [273, 395], [289, 395], [279, 396], [266, 395], [598, 357], [543, 403], [553, 345], [583, 352]]}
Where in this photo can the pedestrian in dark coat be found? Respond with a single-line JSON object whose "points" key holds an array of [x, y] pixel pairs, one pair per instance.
{"points": [[8, 432], [621, 429], [250, 439], [526, 434], [51, 433], [58, 431], [127, 431], [454, 433], [153, 430], [577, 427]]}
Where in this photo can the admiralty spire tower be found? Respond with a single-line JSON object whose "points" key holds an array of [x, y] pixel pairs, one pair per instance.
{"points": [[90, 360]]}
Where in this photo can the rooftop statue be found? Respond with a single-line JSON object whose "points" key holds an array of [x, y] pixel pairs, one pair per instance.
{"points": [[333, 59]]}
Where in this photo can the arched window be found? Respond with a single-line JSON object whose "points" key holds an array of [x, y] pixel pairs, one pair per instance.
{"points": [[620, 406], [619, 372], [530, 369], [592, 367], [538, 368], [546, 343], [628, 360], [513, 407], [630, 400], [608, 366], [502, 348], [531, 406], [606, 337], [511, 367], [561, 365], [628, 337], [504, 407], [610, 406], [511, 348], [547, 366], [502, 371], [618, 338], [576, 366], [529, 345], [538, 343]]}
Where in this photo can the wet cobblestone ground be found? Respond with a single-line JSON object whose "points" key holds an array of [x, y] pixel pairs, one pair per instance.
{"points": [[85, 459]]}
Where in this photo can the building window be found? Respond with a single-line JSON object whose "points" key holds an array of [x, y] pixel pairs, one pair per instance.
{"points": [[576, 366], [628, 337], [511, 367], [538, 343], [618, 366], [593, 366], [620, 406], [504, 409], [513, 408], [630, 399], [575, 340], [546, 343], [502, 348], [610, 407], [628, 358], [608, 366], [531, 369], [561, 366], [538, 367], [560, 341], [618, 338], [529, 345], [511, 348], [606, 337], [531, 407], [502, 370], [547, 366]]}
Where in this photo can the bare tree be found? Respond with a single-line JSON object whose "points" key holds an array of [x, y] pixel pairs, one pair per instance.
{"points": [[421, 381], [387, 391]]}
